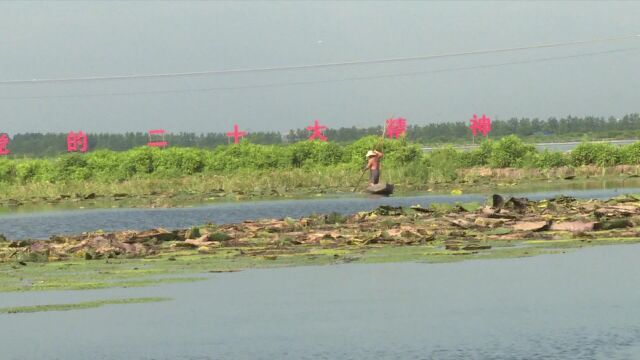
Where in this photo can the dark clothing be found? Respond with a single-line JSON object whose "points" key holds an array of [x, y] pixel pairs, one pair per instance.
{"points": [[374, 176]]}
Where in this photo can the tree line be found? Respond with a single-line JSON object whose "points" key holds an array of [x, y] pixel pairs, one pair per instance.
{"points": [[570, 127]]}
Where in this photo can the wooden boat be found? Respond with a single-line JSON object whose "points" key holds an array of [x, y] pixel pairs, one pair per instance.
{"points": [[382, 188]]}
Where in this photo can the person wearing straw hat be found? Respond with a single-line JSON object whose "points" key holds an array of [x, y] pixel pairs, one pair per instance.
{"points": [[373, 164]]}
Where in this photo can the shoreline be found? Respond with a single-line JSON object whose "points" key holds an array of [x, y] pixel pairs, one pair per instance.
{"points": [[180, 193]]}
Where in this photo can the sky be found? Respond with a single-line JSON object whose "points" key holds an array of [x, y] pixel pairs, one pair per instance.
{"points": [[42, 40]]}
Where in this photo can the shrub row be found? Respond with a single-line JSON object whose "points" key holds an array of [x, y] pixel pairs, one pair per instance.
{"points": [[107, 165], [511, 151]]}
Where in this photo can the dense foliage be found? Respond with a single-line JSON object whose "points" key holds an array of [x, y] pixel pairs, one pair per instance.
{"points": [[35, 144], [440, 165]]}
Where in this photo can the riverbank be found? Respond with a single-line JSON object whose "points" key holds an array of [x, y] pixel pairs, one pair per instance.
{"points": [[441, 233], [299, 183]]}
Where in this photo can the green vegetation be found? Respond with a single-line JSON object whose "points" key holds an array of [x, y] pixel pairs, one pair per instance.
{"points": [[152, 163], [79, 306], [552, 129], [87, 275], [303, 168]]}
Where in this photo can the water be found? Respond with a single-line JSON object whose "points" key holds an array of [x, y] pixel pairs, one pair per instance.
{"points": [[580, 305], [568, 146], [44, 224], [552, 146]]}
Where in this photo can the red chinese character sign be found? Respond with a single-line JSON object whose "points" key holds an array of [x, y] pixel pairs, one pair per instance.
{"points": [[157, 139], [77, 142], [316, 131], [4, 141], [480, 125], [396, 127], [236, 134]]}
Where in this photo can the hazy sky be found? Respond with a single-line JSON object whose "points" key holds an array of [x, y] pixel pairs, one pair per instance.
{"points": [[78, 39]]}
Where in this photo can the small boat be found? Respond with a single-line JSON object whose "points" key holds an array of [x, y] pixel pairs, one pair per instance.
{"points": [[382, 188]]}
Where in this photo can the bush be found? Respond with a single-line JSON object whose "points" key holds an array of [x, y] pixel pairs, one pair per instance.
{"points": [[354, 153], [107, 165], [609, 155], [530, 160], [477, 157], [443, 164], [138, 161], [313, 153], [583, 154], [600, 154], [247, 156], [71, 167], [34, 170], [7, 170], [631, 154], [396, 151], [418, 170], [550, 159], [405, 154], [179, 161], [509, 152]]}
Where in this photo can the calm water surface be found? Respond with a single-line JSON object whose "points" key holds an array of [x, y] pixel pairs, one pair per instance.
{"points": [[44, 224], [580, 305], [554, 146]]}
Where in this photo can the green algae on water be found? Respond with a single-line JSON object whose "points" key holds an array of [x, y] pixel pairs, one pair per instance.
{"points": [[79, 306]]}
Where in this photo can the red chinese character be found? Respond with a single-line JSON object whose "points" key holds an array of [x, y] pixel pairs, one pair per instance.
{"points": [[235, 134], [156, 138], [316, 130], [73, 140], [4, 141], [481, 125], [396, 127]]}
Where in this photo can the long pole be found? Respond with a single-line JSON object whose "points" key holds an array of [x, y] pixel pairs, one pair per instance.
{"points": [[384, 131], [359, 180]]}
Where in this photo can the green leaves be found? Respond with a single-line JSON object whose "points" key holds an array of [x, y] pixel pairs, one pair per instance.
{"points": [[601, 154], [509, 152], [440, 165]]}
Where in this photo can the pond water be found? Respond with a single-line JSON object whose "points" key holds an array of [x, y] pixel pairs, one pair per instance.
{"points": [[579, 305], [44, 224]]}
